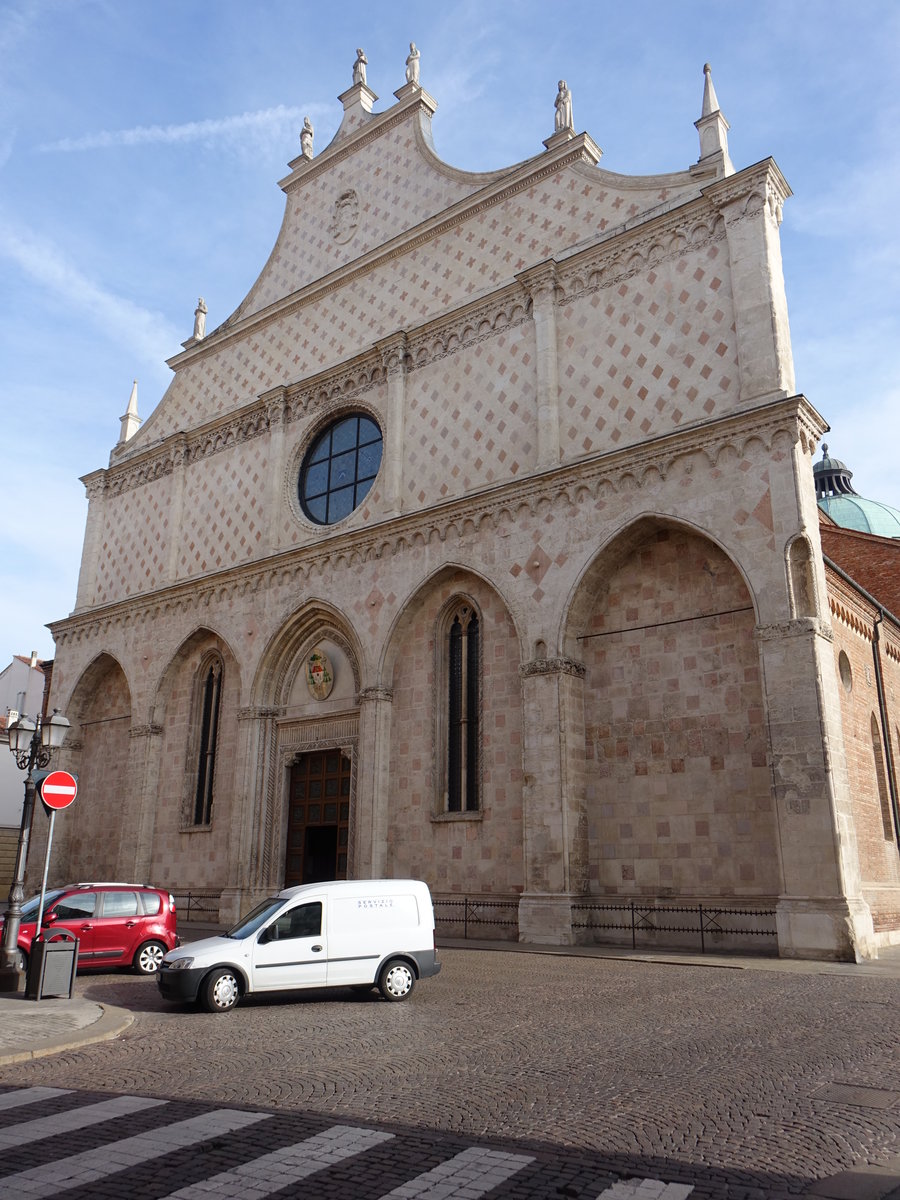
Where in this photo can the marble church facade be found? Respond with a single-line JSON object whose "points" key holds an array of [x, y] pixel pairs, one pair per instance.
{"points": [[567, 636]]}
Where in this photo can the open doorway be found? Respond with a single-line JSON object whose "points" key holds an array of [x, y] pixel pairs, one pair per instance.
{"points": [[318, 818]]}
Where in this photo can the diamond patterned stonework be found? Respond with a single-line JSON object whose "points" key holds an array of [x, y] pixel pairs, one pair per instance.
{"points": [[585, 590]]}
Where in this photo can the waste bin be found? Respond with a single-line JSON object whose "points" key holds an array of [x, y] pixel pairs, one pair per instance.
{"points": [[51, 968]]}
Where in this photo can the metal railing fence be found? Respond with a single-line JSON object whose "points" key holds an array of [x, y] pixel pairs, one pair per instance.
{"points": [[496, 919], [712, 926], [708, 923], [197, 904]]}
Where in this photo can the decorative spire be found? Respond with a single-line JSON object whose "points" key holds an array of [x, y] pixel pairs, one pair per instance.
{"points": [[710, 99], [130, 421], [713, 130]]}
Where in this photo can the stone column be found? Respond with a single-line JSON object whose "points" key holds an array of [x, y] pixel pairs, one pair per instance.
{"points": [[751, 205], [95, 486], [394, 356], [554, 810], [176, 506], [135, 857], [373, 782], [541, 284], [821, 912]]}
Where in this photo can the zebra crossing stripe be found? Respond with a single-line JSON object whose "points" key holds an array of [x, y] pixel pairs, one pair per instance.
{"points": [[38, 1183], [467, 1175], [646, 1189], [76, 1118], [30, 1096], [272, 1172]]}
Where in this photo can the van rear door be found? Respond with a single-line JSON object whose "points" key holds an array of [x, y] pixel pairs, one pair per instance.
{"points": [[291, 951]]}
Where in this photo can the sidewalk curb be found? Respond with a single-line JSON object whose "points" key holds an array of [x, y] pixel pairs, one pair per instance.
{"points": [[111, 1022]]}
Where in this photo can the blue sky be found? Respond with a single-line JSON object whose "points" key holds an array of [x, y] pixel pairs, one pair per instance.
{"points": [[140, 145]]}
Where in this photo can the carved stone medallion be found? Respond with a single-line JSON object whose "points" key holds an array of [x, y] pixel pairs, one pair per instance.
{"points": [[319, 674], [345, 216]]}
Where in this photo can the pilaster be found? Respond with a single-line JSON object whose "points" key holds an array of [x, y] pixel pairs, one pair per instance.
{"points": [[394, 356], [255, 864], [95, 486], [176, 505], [751, 205], [542, 285], [373, 782], [275, 402], [821, 912], [554, 811]]}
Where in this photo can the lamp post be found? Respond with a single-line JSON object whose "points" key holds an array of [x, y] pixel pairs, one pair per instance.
{"points": [[33, 743]]}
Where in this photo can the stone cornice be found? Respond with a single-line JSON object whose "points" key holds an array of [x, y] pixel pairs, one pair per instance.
{"points": [[375, 693], [624, 470], [259, 712], [552, 666], [777, 631], [140, 731]]}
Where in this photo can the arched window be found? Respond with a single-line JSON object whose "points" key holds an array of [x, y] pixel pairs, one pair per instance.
{"points": [[206, 724], [463, 700], [883, 798]]}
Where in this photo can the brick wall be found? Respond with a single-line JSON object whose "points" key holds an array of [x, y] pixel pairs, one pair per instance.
{"points": [[853, 624]]}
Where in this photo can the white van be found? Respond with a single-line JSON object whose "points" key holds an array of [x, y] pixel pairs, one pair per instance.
{"points": [[348, 933]]}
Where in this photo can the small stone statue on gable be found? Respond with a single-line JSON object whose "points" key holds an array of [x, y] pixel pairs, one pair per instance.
{"points": [[200, 320], [359, 67], [412, 65], [564, 119], [306, 138]]}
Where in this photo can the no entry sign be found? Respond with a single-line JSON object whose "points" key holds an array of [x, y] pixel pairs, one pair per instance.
{"points": [[58, 789]]}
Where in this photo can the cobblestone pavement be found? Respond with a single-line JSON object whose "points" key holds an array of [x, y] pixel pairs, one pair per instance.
{"points": [[734, 1083]]}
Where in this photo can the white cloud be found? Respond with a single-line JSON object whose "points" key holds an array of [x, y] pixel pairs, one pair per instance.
{"points": [[191, 131], [150, 336]]}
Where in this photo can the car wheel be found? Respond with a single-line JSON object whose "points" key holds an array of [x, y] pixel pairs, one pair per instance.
{"points": [[148, 958], [220, 991], [396, 980], [21, 960]]}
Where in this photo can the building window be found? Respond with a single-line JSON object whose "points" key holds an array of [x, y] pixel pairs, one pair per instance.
{"points": [[208, 715], [463, 692], [339, 469]]}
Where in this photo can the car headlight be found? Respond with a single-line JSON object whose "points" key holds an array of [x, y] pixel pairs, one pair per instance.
{"points": [[178, 964]]}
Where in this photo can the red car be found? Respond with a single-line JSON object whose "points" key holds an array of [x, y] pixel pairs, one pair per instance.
{"points": [[117, 924]]}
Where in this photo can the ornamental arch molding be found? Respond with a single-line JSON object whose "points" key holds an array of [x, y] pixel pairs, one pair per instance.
{"points": [[456, 578], [197, 645], [284, 655], [612, 554], [103, 672]]}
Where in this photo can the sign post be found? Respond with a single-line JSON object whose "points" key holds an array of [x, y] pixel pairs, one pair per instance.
{"points": [[57, 791]]}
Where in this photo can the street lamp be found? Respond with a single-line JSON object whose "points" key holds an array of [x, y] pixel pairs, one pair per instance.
{"points": [[33, 744]]}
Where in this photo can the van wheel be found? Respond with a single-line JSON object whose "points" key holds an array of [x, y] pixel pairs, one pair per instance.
{"points": [[148, 958], [396, 980], [220, 991]]}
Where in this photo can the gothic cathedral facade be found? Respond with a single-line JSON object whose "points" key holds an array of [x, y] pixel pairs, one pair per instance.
{"points": [[480, 545]]}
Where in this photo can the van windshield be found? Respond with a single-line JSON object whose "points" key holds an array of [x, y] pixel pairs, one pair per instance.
{"points": [[256, 917]]}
